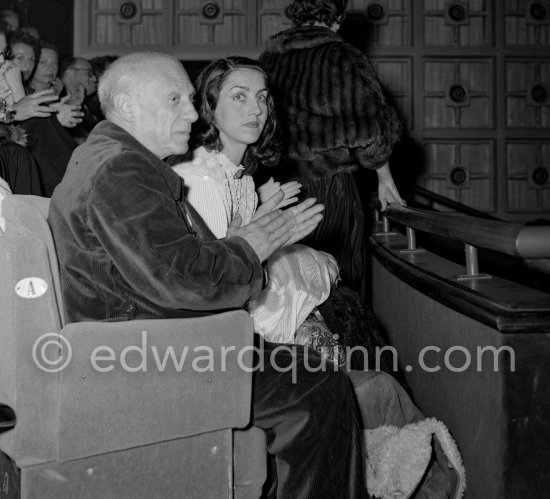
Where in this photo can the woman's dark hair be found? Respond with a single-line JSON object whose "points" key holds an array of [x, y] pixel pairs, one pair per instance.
{"points": [[22, 37], [266, 150], [310, 11]]}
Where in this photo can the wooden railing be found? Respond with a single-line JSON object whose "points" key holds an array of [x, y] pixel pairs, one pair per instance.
{"points": [[432, 198], [528, 242]]}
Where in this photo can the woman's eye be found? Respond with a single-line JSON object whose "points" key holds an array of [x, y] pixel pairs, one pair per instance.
{"points": [[262, 98], [239, 97]]}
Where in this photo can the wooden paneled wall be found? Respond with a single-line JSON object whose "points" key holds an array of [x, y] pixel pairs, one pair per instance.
{"points": [[471, 78]]}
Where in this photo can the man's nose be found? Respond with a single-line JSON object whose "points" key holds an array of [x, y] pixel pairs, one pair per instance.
{"points": [[191, 114]]}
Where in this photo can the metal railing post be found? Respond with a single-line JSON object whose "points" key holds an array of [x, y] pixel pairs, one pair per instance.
{"points": [[472, 268]]}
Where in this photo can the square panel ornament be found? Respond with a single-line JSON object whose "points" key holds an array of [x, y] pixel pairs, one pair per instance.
{"points": [[538, 13], [457, 13], [129, 13], [212, 13]]}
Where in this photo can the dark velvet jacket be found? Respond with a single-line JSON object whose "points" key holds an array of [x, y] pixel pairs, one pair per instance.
{"points": [[127, 246], [333, 114]]}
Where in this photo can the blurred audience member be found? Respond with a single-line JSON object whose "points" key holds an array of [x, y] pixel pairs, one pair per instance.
{"points": [[45, 74], [17, 165], [101, 63], [11, 18], [80, 84], [25, 51], [32, 31], [48, 142]]}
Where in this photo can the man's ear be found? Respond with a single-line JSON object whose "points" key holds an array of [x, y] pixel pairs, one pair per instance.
{"points": [[124, 105]]}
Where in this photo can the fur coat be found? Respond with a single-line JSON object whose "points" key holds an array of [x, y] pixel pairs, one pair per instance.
{"points": [[333, 114], [12, 134]]}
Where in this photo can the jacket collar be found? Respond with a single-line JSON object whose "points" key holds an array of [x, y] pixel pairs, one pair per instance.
{"points": [[172, 179], [301, 37]]}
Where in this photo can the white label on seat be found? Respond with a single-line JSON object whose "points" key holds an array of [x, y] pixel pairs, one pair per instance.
{"points": [[31, 287]]}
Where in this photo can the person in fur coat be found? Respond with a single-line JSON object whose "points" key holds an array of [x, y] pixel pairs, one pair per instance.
{"points": [[334, 120]]}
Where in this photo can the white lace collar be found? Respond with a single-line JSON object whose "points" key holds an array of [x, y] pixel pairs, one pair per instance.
{"points": [[217, 162]]}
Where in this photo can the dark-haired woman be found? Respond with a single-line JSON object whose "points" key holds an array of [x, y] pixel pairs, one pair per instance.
{"points": [[235, 131]]}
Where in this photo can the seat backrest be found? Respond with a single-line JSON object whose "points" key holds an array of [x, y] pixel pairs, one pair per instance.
{"points": [[31, 307]]}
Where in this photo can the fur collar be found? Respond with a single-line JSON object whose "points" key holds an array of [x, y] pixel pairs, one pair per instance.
{"points": [[301, 37], [12, 134]]}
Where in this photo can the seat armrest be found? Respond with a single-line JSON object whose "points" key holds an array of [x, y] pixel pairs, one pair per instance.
{"points": [[138, 382]]}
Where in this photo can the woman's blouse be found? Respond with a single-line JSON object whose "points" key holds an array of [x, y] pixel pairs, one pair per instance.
{"points": [[217, 190]]}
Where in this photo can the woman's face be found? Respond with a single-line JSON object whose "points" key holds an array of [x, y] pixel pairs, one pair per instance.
{"points": [[46, 69], [23, 58], [241, 111]]}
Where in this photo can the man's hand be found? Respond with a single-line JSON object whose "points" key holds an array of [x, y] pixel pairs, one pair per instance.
{"points": [[271, 231], [68, 115], [307, 215]]}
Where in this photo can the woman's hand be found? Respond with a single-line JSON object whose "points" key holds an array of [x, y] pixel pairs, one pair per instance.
{"points": [[11, 87], [271, 188], [69, 115], [36, 105], [291, 191], [387, 192], [267, 190]]}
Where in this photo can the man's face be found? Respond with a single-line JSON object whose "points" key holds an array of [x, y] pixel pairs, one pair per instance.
{"points": [[80, 73], [23, 57], [164, 110], [46, 69]]}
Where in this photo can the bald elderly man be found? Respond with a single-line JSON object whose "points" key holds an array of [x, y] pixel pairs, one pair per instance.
{"points": [[129, 247]]}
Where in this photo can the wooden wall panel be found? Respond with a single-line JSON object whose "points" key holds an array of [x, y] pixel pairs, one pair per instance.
{"points": [[271, 18], [223, 23], [528, 176], [458, 94], [527, 22], [462, 171], [459, 23], [390, 20], [145, 27], [396, 73], [528, 93]]}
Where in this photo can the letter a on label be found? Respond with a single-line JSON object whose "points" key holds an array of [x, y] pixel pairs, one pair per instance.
{"points": [[31, 287]]}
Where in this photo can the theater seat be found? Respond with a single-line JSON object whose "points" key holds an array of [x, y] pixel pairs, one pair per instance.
{"points": [[143, 408]]}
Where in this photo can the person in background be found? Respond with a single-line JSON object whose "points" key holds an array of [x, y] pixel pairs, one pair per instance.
{"points": [[80, 84], [10, 18], [99, 65], [334, 120], [44, 117], [31, 31], [45, 73], [17, 165], [25, 51]]}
